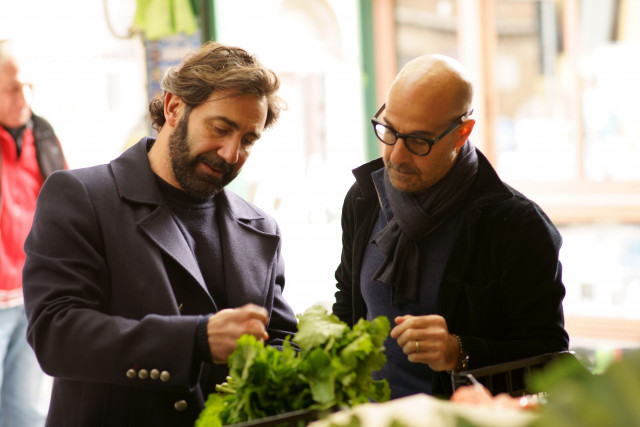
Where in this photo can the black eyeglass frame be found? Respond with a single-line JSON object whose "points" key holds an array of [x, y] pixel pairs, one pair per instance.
{"points": [[430, 142]]}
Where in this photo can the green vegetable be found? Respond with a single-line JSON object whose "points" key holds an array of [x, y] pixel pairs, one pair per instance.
{"points": [[331, 370], [575, 397]]}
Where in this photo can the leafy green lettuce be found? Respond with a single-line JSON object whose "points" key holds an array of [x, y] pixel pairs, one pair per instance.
{"points": [[576, 397], [331, 370]]}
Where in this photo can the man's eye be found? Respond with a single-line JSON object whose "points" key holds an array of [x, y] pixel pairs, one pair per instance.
{"points": [[248, 142], [389, 133], [418, 142], [220, 131]]}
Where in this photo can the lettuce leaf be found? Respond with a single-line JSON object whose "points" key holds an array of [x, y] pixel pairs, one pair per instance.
{"points": [[331, 368]]}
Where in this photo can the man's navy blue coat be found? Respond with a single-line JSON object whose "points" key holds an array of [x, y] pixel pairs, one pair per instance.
{"points": [[113, 295]]}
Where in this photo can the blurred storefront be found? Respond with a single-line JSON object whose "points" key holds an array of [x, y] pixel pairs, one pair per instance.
{"points": [[557, 116]]}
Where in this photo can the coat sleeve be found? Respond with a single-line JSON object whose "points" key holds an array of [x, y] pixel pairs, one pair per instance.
{"points": [[73, 327], [510, 304], [515, 298], [282, 321], [343, 305]]}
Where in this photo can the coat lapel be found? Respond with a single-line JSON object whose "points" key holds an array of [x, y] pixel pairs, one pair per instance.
{"points": [[164, 232], [136, 183], [249, 252]]}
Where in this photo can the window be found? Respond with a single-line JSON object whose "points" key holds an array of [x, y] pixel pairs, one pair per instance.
{"points": [[557, 115]]}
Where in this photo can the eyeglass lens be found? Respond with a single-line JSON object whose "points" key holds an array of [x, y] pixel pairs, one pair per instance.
{"points": [[389, 136]]}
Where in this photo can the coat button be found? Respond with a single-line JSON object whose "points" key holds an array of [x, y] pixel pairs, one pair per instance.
{"points": [[165, 376], [143, 374], [155, 374], [131, 374], [180, 405]]}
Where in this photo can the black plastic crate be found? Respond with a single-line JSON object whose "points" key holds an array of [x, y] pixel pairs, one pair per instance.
{"points": [[293, 419], [512, 377]]}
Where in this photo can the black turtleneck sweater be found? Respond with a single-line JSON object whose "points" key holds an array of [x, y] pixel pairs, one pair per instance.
{"points": [[198, 223]]}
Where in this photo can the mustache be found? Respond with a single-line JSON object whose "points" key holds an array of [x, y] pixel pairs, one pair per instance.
{"points": [[402, 168], [215, 162]]}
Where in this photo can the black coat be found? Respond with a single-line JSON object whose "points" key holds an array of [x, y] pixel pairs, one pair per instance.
{"points": [[113, 295], [502, 287], [48, 151]]}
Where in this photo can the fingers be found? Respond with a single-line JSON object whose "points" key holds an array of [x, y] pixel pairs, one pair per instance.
{"points": [[474, 394], [226, 326], [411, 328], [402, 324], [424, 339], [480, 395], [425, 351], [254, 311], [255, 319]]}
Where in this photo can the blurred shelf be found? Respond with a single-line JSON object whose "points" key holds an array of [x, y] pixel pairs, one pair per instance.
{"points": [[585, 202], [622, 331]]}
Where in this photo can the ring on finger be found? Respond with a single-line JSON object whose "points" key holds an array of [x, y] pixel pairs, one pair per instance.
{"points": [[417, 346]]}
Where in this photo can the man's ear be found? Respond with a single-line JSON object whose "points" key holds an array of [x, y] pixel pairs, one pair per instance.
{"points": [[465, 130], [173, 105]]}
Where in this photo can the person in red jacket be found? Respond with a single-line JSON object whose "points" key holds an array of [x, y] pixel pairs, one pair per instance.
{"points": [[29, 151]]}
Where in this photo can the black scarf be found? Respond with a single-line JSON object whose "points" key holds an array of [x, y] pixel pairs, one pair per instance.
{"points": [[414, 217], [16, 134]]}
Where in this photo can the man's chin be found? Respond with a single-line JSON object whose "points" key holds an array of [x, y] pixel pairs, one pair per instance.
{"points": [[201, 189], [403, 185], [205, 186]]}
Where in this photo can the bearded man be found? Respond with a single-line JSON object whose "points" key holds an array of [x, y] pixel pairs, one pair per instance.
{"points": [[140, 275]]}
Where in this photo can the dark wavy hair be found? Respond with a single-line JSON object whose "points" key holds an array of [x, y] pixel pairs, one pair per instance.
{"points": [[216, 67]]}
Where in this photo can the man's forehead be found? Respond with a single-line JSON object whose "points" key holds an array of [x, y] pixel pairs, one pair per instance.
{"points": [[225, 94], [218, 107], [11, 72]]}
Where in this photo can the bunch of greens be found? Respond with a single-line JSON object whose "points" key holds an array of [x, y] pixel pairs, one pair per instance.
{"points": [[331, 370], [575, 397]]}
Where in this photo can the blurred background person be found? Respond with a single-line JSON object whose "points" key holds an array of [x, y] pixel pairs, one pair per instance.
{"points": [[30, 151]]}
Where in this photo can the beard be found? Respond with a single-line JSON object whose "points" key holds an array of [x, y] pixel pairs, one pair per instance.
{"points": [[197, 185]]}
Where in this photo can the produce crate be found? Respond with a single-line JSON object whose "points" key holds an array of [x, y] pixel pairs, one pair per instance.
{"points": [[294, 419], [510, 377]]}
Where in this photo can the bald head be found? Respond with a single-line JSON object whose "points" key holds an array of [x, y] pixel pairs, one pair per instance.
{"points": [[434, 80], [15, 93], [429, 100]]}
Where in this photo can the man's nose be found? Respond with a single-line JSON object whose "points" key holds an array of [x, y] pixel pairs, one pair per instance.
{"points": [[399, 151], [23, 93], [230, 150]]}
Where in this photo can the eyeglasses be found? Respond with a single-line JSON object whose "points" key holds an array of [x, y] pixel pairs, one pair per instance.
{"points": [[417, 145]]}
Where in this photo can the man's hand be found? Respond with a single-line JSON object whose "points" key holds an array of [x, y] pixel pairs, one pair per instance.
{"points": [[426, 339], [226, 326]]}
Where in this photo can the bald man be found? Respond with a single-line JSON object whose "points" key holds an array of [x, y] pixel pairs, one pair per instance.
{"points": [[465, 267]]}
